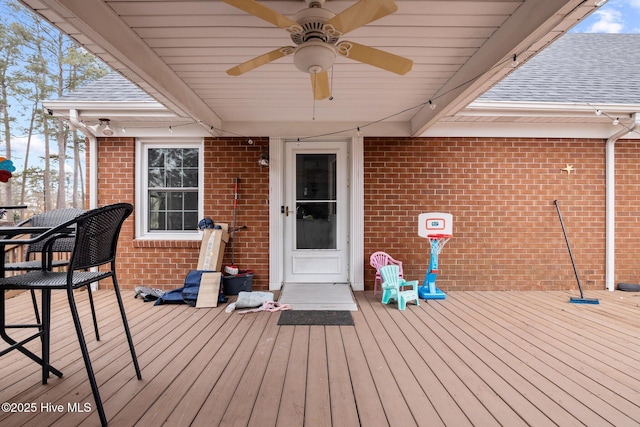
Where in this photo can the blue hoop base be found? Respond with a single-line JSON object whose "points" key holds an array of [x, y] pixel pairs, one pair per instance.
{"points": [[425, 293]]}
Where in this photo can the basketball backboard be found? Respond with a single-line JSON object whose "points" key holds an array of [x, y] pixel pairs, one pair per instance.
{"points": [[435, 223]]}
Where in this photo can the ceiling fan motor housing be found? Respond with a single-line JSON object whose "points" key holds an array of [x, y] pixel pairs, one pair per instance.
{"points": [[316, 46]]}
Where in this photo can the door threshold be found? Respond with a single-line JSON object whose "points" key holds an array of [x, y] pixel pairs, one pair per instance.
{"points": [[318, 296]]}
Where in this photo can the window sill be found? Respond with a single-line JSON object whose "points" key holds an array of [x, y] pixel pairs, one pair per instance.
{"points": [[160, 243]]}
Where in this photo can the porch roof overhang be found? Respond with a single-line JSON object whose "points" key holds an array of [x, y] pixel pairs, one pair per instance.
{"points": [[178, 53]]}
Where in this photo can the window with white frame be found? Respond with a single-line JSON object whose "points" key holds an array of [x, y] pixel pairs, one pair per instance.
{"points": [[169, 189]]}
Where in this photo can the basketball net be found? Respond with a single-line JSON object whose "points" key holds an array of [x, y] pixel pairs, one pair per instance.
{"points": [[438, 241]]}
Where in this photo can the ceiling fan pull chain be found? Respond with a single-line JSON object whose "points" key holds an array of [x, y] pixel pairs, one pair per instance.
{"points": [[315, 82], [331, 85]]}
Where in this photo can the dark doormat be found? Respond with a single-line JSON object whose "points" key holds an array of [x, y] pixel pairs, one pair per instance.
{"points": [[316, 317]]}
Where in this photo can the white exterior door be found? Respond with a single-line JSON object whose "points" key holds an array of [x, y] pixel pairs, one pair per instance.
{"points": [[316, 213]]}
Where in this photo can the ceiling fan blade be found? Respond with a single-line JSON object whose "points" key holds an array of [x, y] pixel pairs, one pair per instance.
{"points": [[320, 85], [376, 57], [263, 12], [260, 60], [361, 13]]}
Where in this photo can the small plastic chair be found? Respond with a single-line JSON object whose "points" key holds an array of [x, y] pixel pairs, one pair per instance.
{"points": [[395, 288], [380, 259]]}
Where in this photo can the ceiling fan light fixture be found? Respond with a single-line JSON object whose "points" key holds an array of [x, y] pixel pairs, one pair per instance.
{"points": [[314, 56]]}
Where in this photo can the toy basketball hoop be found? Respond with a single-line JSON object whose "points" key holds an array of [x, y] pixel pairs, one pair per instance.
{"points": [[438, 228]]}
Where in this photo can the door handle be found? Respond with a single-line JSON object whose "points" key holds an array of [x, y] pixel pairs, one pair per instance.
{"points": [[286, 211]]}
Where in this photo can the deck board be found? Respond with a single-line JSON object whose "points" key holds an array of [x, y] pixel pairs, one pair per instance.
{"points": [[188, 407], [411, 392], [475, 358], [489, 392], [370, 411], [344, 411], [466, 396], [577, 366], [541, 366], [292, 404], [519, 368], [246, 392], [270, 389], [172, 363], [387, 391], [317, 411]]}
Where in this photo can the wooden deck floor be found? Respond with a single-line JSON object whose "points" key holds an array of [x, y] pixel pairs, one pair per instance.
{"points": [[476, 358]]}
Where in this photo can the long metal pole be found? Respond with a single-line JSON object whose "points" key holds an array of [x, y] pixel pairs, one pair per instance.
{"points": [[235, 209], [566, 239]]}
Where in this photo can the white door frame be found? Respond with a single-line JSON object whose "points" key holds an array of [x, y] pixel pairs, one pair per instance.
{"points": [[329, 264], [356, 215]]}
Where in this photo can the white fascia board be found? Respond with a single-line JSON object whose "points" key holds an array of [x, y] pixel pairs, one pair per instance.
{"points": [[545, 109], [111, 108], [522, 130]]}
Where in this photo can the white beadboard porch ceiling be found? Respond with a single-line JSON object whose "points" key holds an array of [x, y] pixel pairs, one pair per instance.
{"points": [[179, 51]]}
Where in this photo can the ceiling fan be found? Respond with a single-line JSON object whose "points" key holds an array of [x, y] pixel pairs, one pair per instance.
{"points": [[316, 32]]}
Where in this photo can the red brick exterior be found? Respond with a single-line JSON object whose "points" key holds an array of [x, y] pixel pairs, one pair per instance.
{"points": [[500, 191], [164, 264], [627, 212]]}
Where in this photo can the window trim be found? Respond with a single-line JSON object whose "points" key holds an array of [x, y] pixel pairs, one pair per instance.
{"points": [[142, 206]]}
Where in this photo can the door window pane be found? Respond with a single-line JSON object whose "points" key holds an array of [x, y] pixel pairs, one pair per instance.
{"points": [[316, 203]]}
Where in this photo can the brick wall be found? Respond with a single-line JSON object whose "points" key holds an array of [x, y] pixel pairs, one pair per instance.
{"points": [[164, 264], [501, 193], [627, 212], [226, 159]]}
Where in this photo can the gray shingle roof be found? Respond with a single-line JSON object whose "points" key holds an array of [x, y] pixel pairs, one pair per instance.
{"points": [[112, 87], [584, 68]]}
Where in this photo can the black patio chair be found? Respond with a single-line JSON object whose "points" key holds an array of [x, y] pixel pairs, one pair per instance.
{"points": [[95, 242], [60, 246]]}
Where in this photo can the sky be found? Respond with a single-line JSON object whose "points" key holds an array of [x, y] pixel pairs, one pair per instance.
{"points": [[615, 16]]}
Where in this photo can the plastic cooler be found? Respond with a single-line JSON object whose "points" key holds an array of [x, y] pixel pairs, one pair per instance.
{"points": [[243, 281]]}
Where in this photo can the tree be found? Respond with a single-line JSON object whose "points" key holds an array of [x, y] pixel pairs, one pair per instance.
{"points": [[79, 68], [12, 40], [37, 62]]}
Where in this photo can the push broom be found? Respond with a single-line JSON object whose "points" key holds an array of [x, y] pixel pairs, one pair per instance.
{"points": [[582, 299]]}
